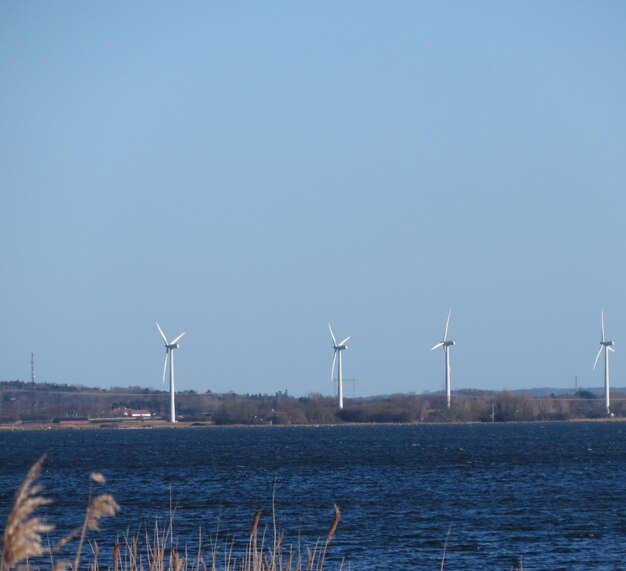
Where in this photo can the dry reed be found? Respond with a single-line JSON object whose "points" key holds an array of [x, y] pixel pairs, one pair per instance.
{"points": [[331, 533], [22, 540], [445, 548], [98, 507], [333, 524]]}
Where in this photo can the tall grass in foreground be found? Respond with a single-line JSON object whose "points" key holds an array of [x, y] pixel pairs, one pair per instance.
{"points": [[25, 539]]}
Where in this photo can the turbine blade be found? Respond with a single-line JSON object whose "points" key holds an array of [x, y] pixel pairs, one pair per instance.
{"points": [[440, 344], [602, 317], [345, 340], [167, 352], [445, 333], [611, 349], [332, 369], [332, 335], [597, 357], [162, 334], [178, 338]]}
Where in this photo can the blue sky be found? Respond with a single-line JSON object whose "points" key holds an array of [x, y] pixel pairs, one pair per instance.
{"points": [[248, 172]]}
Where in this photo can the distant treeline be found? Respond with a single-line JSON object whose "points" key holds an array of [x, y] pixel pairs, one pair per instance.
{"points": [[65, 388], [20, 401]]}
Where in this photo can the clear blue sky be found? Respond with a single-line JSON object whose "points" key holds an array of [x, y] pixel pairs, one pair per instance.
{"points": [[249, 171]]}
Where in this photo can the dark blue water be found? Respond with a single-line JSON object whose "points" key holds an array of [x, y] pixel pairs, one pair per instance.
{"points": [[553, 495]]}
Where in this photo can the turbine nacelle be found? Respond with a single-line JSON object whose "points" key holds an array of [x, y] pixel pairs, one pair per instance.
{"points": [[604, 344], [169, 345], [342, 344], [444, 344]]}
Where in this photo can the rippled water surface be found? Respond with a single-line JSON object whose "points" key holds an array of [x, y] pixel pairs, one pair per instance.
{"points": [[552, 494]]}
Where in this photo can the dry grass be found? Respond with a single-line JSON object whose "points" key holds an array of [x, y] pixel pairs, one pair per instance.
{"points": [[22, 538], [159, 551]]}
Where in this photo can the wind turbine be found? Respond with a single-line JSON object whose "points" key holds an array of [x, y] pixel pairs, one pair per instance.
{"points": [[338, 348], [169, 350], [607, 346], [446, 344]]}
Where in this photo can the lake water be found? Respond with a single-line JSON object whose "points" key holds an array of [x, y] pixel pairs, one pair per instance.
{"points": [[551, 494]]}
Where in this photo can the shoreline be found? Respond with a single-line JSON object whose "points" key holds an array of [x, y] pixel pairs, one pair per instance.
{"points": [[164, 424]]}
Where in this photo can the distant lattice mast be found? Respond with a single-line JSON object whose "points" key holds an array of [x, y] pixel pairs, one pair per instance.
{"points": [[32, 368]]}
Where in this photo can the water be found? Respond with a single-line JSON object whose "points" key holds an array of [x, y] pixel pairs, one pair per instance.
{"points": [[551, 494]]}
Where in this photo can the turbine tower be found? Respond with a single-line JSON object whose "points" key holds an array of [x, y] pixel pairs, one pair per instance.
{"points": [[446, 344], [169, 351], [607, 346], [338, 348]]}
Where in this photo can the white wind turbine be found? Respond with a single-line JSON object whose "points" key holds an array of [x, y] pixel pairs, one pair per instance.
{"points": [[607, 346], [169, 351], [446, 344], [338, 348]]}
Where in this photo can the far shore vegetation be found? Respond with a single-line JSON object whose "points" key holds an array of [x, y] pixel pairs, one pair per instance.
{"points": [[24, 402]]}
